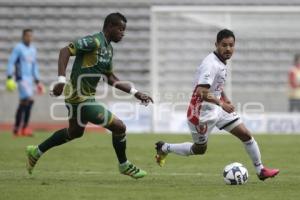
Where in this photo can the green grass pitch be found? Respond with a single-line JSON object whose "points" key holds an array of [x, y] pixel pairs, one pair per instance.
{"points": [[87, 169]]}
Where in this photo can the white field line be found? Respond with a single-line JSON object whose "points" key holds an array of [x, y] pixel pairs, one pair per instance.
{"points": [[110, 173]]}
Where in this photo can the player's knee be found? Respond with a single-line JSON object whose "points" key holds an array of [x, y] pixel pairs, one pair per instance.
{"points": [[23, 102], [242, 133], [245, 136], [121, 128], [27, 102], [118, 128], [30, 102], [73, 134], [199, 149]]}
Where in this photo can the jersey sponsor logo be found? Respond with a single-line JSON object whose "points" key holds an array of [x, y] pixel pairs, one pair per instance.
{"points": [[104, 55], [103, 51]]}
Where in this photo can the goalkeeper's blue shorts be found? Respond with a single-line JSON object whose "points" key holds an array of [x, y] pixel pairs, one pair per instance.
{"points": [[25, 88]]}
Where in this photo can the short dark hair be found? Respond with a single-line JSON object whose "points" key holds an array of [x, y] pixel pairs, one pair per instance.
{"points": [[26, 30], [113, 18], [225, 33]]}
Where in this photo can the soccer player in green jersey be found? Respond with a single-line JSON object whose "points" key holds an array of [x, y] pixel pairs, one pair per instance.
{"points": [[93, 58]]}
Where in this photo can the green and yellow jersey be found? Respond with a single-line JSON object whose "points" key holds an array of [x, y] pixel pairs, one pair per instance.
{"points": [[93, 58]]}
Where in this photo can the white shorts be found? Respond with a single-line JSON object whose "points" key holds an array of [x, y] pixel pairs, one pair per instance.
{"points": [[211, 116]]}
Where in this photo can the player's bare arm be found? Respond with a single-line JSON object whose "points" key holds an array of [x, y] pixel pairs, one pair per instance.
{"points": [[225, 98], [63, 59], [203, 92], [114, 81]]}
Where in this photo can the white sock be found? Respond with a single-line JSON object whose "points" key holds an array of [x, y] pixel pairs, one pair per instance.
{"points": [[254, 153], [39, 151], [183, 149], [124, 163]]}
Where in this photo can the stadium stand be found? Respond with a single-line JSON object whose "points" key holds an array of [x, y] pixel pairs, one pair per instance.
{"points": [[57, 22]]}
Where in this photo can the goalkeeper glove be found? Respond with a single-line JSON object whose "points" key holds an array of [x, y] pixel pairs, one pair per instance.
{"points": [[11, 85]]}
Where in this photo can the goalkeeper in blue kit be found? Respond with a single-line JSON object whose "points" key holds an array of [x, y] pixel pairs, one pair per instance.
{"points": [[23, 65]]}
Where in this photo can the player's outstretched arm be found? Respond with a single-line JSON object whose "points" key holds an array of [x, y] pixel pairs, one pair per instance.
{"points": [[63, 59], [125, 87], [203, 92]]}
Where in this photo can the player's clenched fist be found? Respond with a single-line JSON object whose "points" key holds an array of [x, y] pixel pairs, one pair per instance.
{"points": [[40, 88], [58, 89], [227, 107]]}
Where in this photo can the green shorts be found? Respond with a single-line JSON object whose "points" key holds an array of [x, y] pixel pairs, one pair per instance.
{"points": [[90, 111]]}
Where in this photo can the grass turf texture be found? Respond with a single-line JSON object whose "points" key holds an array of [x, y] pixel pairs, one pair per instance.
{"points": [[87, 169]]}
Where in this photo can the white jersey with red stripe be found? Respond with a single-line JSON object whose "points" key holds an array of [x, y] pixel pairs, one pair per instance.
{"points": [[213, 72], [204, 116]]}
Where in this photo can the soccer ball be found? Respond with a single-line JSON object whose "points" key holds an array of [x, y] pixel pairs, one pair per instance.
{"points": [[235, 174]]}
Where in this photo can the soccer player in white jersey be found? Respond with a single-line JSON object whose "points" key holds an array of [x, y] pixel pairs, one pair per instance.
{"points": [[209, 107]]}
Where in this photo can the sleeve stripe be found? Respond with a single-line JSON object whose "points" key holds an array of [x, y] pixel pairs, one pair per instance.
{"points": [[97, 42], [72, 49]]}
